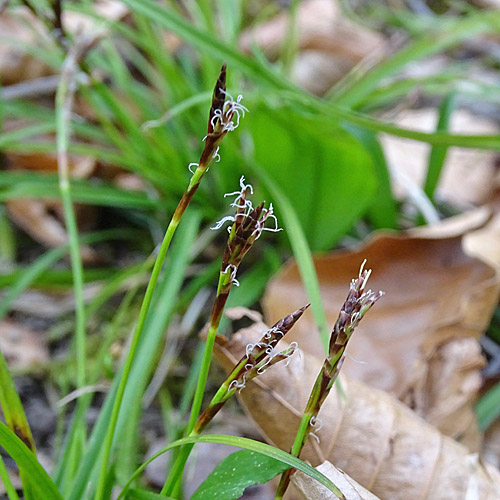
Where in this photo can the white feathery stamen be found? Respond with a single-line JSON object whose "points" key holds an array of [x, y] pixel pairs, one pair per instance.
{"points": [[192, 165], [216, 155], [220, 223]]}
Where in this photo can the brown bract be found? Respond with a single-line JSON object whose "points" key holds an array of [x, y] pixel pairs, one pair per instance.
{"points": [[370, 435]]}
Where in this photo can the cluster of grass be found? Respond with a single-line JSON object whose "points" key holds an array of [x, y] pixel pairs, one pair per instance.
{"points": [[146, 108]]}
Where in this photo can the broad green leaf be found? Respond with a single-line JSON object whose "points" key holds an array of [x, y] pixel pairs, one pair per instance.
{"points": [[382, 211], [235, 473], [302, 253], [325, 173]]}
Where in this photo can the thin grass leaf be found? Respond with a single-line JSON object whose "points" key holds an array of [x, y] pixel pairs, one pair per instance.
{"points": [[449, 32], [488, 407], [248, 444], [42, 485], [175, 270], [16, 421], [260, 71], [7, 483], [136, 494], [437, 155], [40, 265]]}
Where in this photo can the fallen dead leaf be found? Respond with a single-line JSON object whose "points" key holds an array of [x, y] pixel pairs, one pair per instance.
{"points": [[106, 10], [484, 243], [23, 348], [445, 387], [312, 490], [43, 219], [19, 27], [421, 341], [469, 176], [329, 44], [491, 445], [52, 305], [434, 292], [370, 435]]}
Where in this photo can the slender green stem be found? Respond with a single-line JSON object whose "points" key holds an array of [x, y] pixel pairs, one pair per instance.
{"points": [[173, 481], [64, 104], [132, 350], [302, 433]]}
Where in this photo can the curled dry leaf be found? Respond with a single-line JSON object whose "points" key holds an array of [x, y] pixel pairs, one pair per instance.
{"points": [[445, 388], [23, 348], [468, 177], [370, 435], [312, 490], [484, 242], [329, 45]]}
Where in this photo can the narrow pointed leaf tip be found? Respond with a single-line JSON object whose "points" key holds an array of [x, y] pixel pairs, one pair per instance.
{"points": [[356, 305]]}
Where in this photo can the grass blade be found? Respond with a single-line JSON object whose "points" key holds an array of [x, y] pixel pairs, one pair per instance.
{"points": [[42, 485], [248, 444], [437, 154]]}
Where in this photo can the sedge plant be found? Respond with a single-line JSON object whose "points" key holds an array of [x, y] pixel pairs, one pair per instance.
{"points": [[356, 305], [223, 117], [248, 225]]}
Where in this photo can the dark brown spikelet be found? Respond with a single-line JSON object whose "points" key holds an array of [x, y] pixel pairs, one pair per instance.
{"points": [[218, 97]]}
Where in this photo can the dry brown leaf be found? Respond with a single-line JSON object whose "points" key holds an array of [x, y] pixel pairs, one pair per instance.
{"points": [[20, 27], [468, 177], [434, 293], [491, 445], [374, 438], [420, 342], [458, 225], [43, 219], [445, 386], [23, 348], [52, 305], [109, 10], [312, 490], [329, 45], [484, 243]]}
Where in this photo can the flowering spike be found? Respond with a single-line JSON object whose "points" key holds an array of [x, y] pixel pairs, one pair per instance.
{"points": [[218, 98]]}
